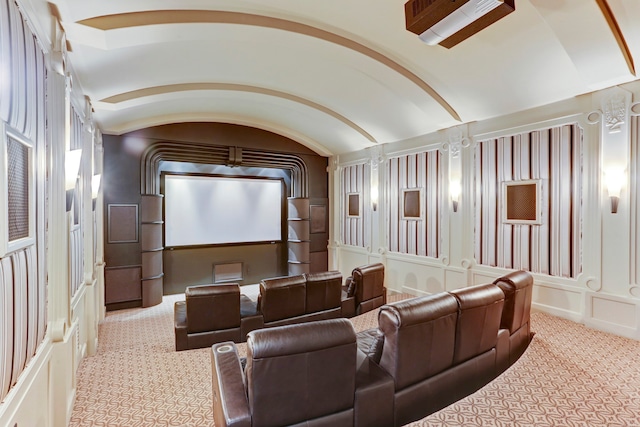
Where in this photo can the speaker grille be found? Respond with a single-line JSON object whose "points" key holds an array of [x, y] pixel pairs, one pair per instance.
{"points": [[18, 189]]}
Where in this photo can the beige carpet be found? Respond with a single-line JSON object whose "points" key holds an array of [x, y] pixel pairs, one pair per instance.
{"points": [[569, 376]]}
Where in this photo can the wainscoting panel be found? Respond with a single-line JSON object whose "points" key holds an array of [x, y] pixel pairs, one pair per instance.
{"points": [[416, 277], [617, 315], [415, 236], [123, 284], [559, 300], [552, 157]]}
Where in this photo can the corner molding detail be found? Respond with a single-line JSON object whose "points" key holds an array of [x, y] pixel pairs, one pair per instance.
{"points": [[615, 112]]}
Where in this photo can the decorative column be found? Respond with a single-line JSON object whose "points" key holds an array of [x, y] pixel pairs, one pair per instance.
{"points": [[298, 235], [151, 237], [614, 158]]}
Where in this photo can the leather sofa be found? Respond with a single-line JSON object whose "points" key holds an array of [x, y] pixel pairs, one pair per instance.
{"points": [[426, 353], [440, 348], [302, 298], [364, 290], [307, 374], [216, 313], [213, 313]]}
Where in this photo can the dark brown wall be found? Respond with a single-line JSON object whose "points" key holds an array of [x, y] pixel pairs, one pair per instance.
{"points": [[122, 163]]}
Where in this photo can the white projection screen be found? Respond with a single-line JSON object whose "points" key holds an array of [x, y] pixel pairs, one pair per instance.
{"points": [[216, 210]]}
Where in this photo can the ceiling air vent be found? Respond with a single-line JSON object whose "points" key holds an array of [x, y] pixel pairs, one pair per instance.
{"points": [[448, 22]]}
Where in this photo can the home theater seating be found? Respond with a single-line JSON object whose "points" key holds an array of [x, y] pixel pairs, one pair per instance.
{"points": [[216, 313], [426, 353]]}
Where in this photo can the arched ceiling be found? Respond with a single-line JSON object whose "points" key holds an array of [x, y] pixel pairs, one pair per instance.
{"points": [[335, 75]]}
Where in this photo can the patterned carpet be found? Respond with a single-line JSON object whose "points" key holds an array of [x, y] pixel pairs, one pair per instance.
{"points": [[569, 376]]}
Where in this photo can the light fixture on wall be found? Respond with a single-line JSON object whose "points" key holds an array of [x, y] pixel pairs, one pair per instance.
{"points": [[614, 180], [448, 22], [71, 170], [95, 188], [455, 190], [374, 197]]}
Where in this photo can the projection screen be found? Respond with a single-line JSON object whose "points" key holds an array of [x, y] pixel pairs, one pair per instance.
{"points": [[216, 210]]}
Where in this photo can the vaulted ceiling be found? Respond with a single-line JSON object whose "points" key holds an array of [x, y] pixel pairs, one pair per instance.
{"points": [[334, 75]]}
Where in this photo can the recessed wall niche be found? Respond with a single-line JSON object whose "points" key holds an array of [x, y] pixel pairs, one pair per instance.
{"points": [[412, 204], [353, 205]]}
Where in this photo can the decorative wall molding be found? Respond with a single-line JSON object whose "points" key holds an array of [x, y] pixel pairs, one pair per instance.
{"points": [[553, 156], [615, 113]]}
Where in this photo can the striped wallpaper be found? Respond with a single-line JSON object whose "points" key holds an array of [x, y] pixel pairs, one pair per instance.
{"points": [[23, 315], [554, 157], [415, 171], [356, 179]]}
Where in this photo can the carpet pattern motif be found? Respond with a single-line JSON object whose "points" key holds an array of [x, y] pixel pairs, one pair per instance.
{"points": [[569, 376]]}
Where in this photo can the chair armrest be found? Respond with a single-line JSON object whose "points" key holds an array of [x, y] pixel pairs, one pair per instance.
{"points": [[180, 325], [502, 351], [347, 306], [251, 323], [374, 399], [230, 404]]}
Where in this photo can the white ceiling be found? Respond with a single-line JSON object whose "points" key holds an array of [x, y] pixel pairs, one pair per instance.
{"points": [[334, 75]]}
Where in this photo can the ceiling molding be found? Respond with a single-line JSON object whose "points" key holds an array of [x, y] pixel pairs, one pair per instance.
{"points": [[617, 33], [164, 17], [184, 87]]}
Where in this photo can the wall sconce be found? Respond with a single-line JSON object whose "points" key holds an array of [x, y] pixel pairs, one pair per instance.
{"points": [[95, 188], [374, 197], [455, 190], [71, 170], [614, 179]]}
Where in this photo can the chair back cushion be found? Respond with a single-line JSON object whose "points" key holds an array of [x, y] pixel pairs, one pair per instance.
{"points": [[282, 297], [369, 281], [480, 311], [324, 291], [212, 307], [518, 291], [419, 337], [300, 372]]}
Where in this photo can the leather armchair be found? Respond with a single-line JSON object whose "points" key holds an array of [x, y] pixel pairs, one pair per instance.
{"points": [[364, 290], [302, 374], [211, 314]]}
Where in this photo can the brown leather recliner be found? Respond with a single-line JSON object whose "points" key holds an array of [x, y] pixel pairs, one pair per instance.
{"points": [[439, 348], [302, 374], [518, 290], [213, 313], [364, 290]]}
